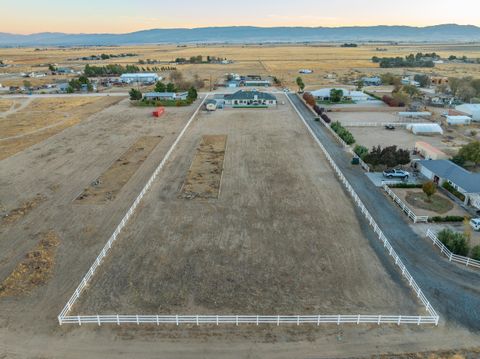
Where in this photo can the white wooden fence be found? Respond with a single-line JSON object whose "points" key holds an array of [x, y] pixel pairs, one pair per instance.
{"points": [[118, 319], [451, 257], [388, 247], [374, 124], [403, 206]]}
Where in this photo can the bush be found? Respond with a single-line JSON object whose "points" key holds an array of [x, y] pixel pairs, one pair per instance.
{"points": [[318, 110], [135, 95], [456, 242], [342, 132], [429, 188], [453, 191], [475, 254], [389, 156], [360, 150], [309, 99], [405, 185], [447, 219], [325, 118]]}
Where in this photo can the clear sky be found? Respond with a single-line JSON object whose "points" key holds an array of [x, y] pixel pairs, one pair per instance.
{"points": [[120, 16]]}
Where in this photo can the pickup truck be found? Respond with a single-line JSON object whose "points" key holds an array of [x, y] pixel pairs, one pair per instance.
{"points": [[396, 173]]}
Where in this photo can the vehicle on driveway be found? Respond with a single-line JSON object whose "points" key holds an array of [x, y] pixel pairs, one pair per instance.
{"points": [[475, 223], [396, 173], [389, 127]]}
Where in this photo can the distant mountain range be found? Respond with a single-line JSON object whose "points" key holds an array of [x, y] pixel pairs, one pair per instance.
{"points": [[250, 34]]}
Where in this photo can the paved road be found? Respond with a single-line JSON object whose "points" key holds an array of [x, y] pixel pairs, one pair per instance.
{"points": [[454, 291]]}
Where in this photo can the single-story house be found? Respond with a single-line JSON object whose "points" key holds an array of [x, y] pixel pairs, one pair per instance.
{"points": [[165, 96], [458, 120], [425, 128], [466, 182], [324, 94], [470, 109], [250, 98], [141, 77], [429, 152], [372, 81]]}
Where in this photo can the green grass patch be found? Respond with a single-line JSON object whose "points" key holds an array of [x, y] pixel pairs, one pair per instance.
{"points": [[165, 103], [343, 102]]}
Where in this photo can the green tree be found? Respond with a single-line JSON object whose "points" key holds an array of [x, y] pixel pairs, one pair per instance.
{"points": [[471, 152], [361, 151], [160, 87], [135, 94], [170, 87], [429, 188], [475, 254], [27, 84], [336, 95], [52, 67], [300, 83], [456, 242], [411, 90], [192, 93], [423, 80]]}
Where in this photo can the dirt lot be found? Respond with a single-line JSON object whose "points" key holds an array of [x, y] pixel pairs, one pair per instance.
{"points": [[266, 245], [40, 119], [354, 118]]}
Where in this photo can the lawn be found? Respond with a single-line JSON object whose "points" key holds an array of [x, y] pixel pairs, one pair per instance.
{"points": [[343, 102], [436, 203]]}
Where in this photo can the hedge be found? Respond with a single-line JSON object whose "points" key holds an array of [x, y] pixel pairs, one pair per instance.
{"points": [[453, 191], [405, 185], [447, 219], [344, 134]]}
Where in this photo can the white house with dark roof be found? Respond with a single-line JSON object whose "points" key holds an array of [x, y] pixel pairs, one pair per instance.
{"points": [[466, 182], [250, 99]]}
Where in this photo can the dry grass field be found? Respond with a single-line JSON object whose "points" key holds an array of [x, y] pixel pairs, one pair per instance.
{"points": [[282, 61], [281, 238], [42, 118]]}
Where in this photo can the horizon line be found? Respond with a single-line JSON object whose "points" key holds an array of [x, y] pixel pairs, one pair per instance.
{"points": [[233, 26]]}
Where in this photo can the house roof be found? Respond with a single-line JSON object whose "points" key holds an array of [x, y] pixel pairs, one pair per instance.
{"points": [[325, 92], [468, 108], [446, 169], [250, 95]]}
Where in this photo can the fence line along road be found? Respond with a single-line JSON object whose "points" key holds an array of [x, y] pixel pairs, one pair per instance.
{"points": [[451, 257], [403, 206], [398, 262], [103, 253]]}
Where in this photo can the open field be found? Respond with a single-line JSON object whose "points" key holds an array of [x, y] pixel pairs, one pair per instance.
{"points": [[63, 165], [267, 245], [282, 61], [38, 119]]}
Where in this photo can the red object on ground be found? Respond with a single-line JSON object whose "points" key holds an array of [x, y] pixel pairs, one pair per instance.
{"points": [[159, 112]]}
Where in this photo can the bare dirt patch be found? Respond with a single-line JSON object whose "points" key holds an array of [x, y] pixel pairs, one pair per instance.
{"points": [[34, 269], [106, 187], [5, 104], [204, 176], [14, 215]]}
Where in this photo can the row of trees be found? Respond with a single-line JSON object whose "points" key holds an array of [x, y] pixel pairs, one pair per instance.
{"points": [[458, 243], [465, 89], [110, 70], [344, 134], [390, 156], [199, 60], [412, 60]]}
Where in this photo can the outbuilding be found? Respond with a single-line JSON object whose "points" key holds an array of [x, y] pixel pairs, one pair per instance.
{"points": [[458, 120], [470, 109], [165, 96], [429, 152], [324, 94], [425, 128], [141, 77]]}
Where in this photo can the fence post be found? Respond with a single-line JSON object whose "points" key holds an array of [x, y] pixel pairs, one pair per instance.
{"points": [[98, 320], [118, 320]]}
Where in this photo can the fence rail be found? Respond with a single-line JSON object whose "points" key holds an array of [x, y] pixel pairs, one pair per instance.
{"points": [[247, 319], [451, 256], [403, 206], [375, 124], [388, 247]]}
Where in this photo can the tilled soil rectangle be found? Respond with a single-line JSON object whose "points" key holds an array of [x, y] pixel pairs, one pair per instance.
{"points": [[106, 187], [203, 178]]}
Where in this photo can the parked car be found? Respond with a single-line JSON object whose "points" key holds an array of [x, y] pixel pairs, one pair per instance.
{"points": [[396, 173], [475, 223], [389, 127]]}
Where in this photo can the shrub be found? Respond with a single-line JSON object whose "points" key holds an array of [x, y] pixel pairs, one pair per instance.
{"points": [[343, 132], [453, 191], [456, 242], [447, 219], [405, 185], [318, 110], [135, 95], [309, 99], [325, 118], [429, 188], [475, 254], [360, 150]]}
